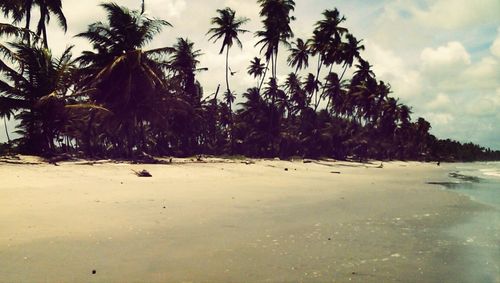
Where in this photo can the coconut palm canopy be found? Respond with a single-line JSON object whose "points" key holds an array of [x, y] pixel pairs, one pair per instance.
{"points": [[130, 95]]}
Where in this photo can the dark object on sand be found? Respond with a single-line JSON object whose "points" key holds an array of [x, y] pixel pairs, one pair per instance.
{"points": [[335, 172], [307, 161], [439, 163], [59, 158], [381, 165], [286, 169], [143, 173], [94, 271]]}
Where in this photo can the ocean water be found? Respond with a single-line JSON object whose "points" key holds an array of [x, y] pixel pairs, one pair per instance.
{"points": [[479, 237]]}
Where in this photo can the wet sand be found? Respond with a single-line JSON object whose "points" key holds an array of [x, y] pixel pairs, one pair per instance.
{"points": [[229, 222]]}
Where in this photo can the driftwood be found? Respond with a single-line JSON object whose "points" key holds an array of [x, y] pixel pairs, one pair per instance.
{"points": [[143, 173]]}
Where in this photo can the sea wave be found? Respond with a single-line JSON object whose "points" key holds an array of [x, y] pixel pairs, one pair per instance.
{"points": [[492, 172]]}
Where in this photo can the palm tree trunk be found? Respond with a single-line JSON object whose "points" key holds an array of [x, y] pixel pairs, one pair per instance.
{"points": [[143, 7], [6, 130], [264, 75], [343, 73], [28, 4], [45, 40], [227, 79], [229, 102], [276, 65], [323, 89], [320, 64]]}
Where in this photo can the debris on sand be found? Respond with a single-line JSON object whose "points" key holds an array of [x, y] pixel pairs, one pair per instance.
{"points": [[286, 169], [307, 161], [94, 271], [335, 172], [143, 173], [248, 162]]}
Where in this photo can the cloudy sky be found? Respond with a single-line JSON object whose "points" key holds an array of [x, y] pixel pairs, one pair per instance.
{"points": [[442, 57]]}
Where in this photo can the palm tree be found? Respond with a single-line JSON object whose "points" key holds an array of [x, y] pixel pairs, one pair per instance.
{"points": [[184, 65], [35, 77], [277, 18], [256, 68], [363, 73], [47, 7], [121, 75], [6, 112], [228, 27], [22, 9], [326, 41], [311, 86], [299, 55], [350, 51], [333, 89], [293, 86]]}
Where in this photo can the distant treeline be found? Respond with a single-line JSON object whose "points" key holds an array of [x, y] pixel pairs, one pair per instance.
{"points": [[122, 100]]}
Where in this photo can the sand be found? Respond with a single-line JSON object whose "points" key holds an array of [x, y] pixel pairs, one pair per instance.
{"points": [[226, 221]]}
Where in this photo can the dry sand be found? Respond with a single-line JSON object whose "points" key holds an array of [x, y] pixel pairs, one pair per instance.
{"points": [[228, 222]]}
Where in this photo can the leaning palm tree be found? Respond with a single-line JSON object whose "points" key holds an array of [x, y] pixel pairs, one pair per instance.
{"points": [[351, 50], [327, 37], [228, 27]]}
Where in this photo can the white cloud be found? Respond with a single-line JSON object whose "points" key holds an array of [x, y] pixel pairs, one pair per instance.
{"points": [[439, 119], [451, 55], [441, 101], [166, 8], [391, 68], [453, 14], [485, 105]]}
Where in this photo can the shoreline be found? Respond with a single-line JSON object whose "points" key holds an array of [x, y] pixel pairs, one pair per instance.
{"points": [[236, 222]]}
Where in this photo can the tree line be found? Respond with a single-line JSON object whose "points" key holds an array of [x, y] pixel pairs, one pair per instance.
{"points": [[123, 100]]}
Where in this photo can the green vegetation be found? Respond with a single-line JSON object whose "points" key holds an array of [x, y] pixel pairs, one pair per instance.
{"points": [[122, 100]]}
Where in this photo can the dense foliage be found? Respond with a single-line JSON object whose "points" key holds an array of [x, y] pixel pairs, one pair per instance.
{"points": [[122, 100]]}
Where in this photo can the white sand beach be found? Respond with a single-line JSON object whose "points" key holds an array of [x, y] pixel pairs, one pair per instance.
{"points": [[272, 221]]}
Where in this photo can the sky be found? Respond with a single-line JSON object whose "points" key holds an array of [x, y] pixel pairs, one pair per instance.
{"points": [[441, 57]]}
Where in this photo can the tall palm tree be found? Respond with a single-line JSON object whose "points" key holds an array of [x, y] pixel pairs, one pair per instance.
{"points": [[277, 18], [326, 41], [299, 55], [228, 27]]}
